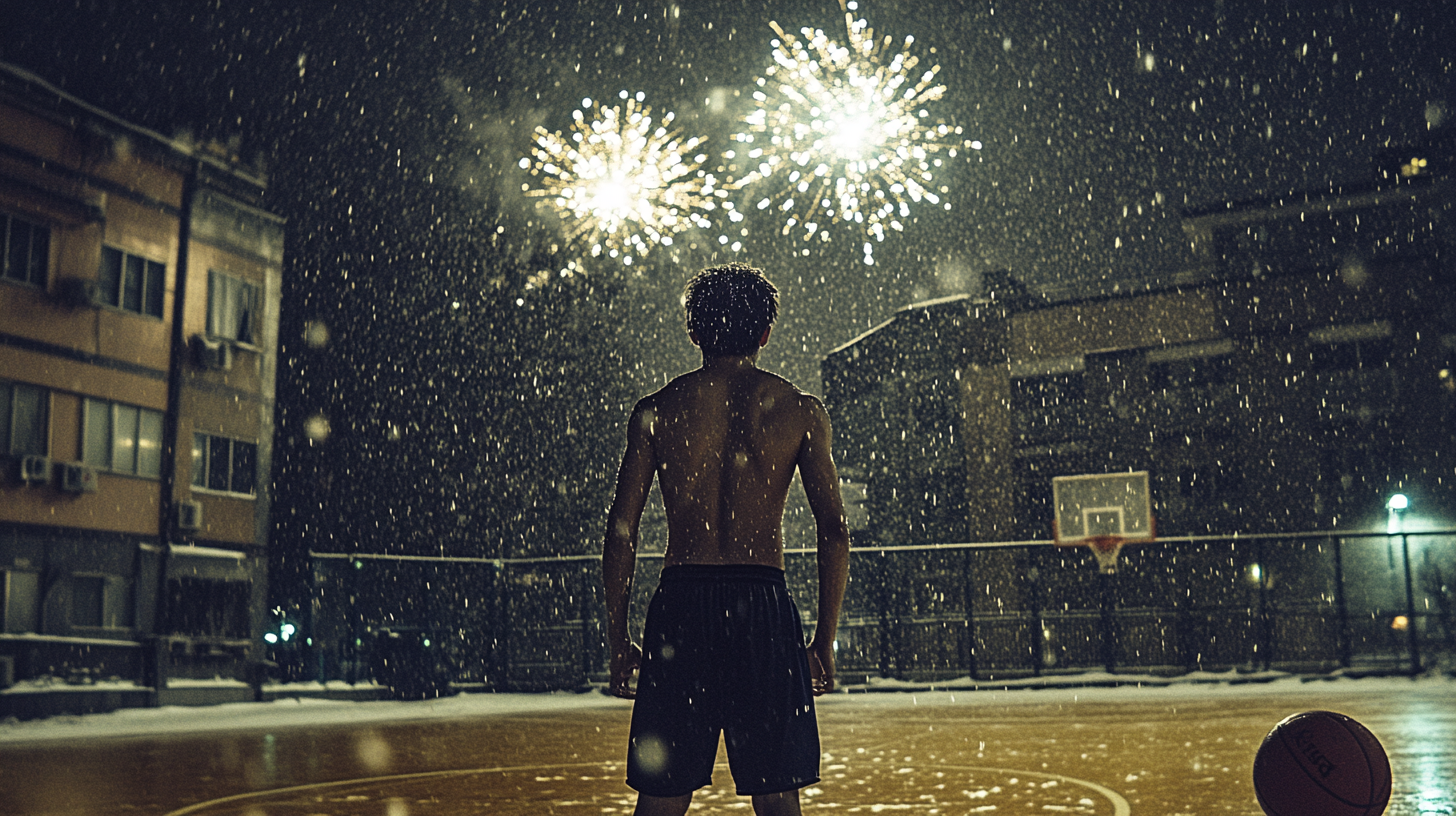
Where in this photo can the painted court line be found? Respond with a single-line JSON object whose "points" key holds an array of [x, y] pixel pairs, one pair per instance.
{"points": [[340, 783], [1120, 805]]}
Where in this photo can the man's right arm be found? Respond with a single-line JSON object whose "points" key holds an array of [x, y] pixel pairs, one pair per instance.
{"points": [[821, 486], [619, 548]]}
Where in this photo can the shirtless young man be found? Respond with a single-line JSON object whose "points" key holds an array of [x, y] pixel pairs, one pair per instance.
{"points": [[724, 643]]}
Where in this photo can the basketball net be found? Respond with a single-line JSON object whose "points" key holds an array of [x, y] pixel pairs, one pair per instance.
{"points": [[1106, 548]]}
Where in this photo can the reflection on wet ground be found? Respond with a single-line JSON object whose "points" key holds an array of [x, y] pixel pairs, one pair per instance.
{"points": [[1100, 752]]}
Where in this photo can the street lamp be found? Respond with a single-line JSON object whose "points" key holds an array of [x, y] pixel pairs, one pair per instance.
{"points": [[1397, 506]]}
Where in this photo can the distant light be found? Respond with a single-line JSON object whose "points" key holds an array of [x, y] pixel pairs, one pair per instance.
{"points": [[1398, 502], [271, 638], [316, 334], [975, 144], [316, 428], [1400, 623]]}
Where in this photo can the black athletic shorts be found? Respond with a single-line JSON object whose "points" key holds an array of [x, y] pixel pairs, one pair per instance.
{"points": [[723, 651]]}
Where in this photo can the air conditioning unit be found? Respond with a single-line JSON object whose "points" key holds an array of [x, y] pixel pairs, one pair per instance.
{"points": [[34, 469], [78, 478], [78, 292], [189, 515], [213, 355]]}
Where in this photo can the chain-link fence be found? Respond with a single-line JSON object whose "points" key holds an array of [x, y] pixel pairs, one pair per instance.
{"points": [[1309, 602]]}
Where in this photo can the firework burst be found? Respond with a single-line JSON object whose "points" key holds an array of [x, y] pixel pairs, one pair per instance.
{"points": [[622, 182], [841, 134]]}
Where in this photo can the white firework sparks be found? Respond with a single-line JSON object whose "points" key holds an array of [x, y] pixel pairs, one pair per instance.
{"points": [[621, 181], [841, 134]]}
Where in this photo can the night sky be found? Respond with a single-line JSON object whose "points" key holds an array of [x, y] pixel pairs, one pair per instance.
{"points": [[391, 134]]}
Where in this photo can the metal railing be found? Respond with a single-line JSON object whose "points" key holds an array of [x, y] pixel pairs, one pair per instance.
{"points": [[1319, 601]]}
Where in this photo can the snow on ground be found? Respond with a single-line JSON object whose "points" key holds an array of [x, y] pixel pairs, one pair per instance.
{"points": [[314, 712]]}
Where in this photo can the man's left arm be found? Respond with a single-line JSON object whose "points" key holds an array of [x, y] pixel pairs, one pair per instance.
{"points": [[619, 547], [821, 486]]}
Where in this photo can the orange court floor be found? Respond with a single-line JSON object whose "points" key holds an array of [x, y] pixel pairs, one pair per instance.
{"points": [[1184, 751]]}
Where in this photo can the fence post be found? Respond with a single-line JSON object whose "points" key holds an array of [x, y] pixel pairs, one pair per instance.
{"points": [[968, 576], [1038, 628], [591, 652], [1109, 648], [1264, 644], [1342, 611], [884, 598], [1410, 607]]}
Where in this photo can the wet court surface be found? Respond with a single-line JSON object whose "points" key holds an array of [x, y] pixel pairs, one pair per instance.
{"points": [[1163, 752]]}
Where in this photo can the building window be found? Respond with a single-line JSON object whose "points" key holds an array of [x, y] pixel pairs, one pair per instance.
{"points": [[100, 601], [131, 282], [27, 250], [208, 608], [1351, 347], [1353, 372], [21, 601], [1048, 401], [226, 465], [231, 305], [88, 600], [122, 438], [1196, 378], [24, 411]]}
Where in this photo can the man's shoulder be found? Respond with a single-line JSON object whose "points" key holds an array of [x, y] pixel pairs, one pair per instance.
{"points": [[806, 400]]}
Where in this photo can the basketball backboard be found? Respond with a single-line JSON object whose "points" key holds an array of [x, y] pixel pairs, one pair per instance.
{"points": [[1103, 511]]}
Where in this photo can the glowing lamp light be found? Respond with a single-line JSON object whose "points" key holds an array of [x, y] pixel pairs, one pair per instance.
{"points": [[1398, 502], [1400, 623]]}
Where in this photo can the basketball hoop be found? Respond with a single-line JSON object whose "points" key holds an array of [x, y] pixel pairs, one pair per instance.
{"points": [[1106, 548]]}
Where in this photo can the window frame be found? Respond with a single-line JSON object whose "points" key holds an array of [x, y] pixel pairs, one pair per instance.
{"points": [[202, 465], [114, 293], [13, 618], [222, 289], [90, 446], [8, 417], [115, 606], [38, 253]]}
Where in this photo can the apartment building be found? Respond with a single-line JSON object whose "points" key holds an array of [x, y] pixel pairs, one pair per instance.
{"points": [[139, 300], [1297, 375]]}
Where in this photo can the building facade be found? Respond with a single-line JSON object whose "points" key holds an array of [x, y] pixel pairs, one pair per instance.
{"points": [[139, 307], [1292, 380]]}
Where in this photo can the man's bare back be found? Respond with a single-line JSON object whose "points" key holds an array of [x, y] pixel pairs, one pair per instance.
{"points": [[726, 440]]}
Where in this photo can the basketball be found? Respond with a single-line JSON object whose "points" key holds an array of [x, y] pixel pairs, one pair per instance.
{"points": [[1320, 763]]}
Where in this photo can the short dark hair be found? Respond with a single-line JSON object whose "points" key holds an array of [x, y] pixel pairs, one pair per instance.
{"points": [[729, 307]]}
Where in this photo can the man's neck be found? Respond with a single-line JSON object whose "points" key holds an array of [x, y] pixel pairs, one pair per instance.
{"points": [[730, 363]]}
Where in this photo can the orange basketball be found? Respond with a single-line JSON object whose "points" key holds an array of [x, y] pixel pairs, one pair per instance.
{"points": [[1319, 763]]}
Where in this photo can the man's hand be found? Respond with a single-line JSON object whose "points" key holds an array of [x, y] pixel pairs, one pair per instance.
{"points": [[625, 661], [821, 667]]}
